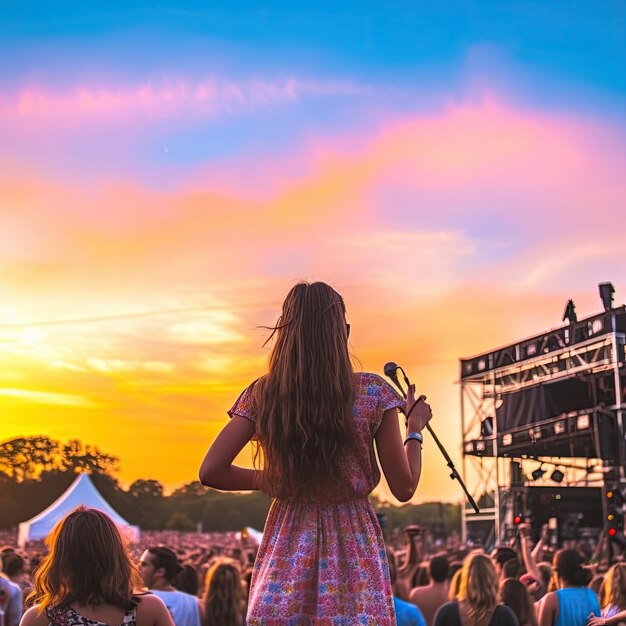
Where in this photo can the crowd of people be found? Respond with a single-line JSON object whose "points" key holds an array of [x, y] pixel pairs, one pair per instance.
{"points": [[203, 579]]}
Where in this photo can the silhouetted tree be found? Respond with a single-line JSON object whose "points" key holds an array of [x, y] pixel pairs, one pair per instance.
{"points": [[81, 457], [24, 458]]}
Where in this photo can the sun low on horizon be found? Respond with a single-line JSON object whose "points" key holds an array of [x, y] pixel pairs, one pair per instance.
{"points": [[168, 172]]}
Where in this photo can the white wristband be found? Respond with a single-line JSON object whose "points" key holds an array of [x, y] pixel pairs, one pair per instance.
{"points": [[413, 436]]}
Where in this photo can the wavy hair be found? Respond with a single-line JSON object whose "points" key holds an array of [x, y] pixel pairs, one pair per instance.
{"points": [[88, 563], [478, 585], [223, 595], [514, 594], [303, 404], [614, 587]]}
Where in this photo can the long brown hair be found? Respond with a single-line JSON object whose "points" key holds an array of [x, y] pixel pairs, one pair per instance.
{"points": [[514, 594], [303, 404], [88, 563], [614, 587], [223, 595], [478, 585]]}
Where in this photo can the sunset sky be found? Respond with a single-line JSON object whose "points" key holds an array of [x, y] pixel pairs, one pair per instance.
{"points": [[457, 170]]}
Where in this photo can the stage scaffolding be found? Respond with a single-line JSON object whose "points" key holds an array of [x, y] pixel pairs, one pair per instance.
{"points": [[556, 398]]}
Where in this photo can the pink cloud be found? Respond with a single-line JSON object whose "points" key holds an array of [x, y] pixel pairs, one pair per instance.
{"points": [[167, 98]]}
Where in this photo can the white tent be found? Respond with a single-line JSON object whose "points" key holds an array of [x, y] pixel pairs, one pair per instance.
{"points": [[81, 491]]}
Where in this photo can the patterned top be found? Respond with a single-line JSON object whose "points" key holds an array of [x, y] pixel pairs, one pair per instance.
{"points": [[322, 562], [373, 397], [67, 616]]}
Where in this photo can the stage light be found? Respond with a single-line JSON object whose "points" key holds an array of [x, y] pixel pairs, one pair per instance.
{"points": [[570, 312], [538, 473], [486, 427], [518, 519], [480, 446], [606, 294], [559, 428], [507, 439], [557, 476], [612, 532], [469, 447], [582, 422], [482, 364], [531, 349], [535, 433]]}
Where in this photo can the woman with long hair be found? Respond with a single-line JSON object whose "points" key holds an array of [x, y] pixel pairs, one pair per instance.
{"points": [[476, 603], [613, 597], [315, 420], [514, 594], [573, 603], [88, 577], [223, 601]]}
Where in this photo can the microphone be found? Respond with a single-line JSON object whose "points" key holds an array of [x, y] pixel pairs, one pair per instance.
{"points": [[391, 371]]}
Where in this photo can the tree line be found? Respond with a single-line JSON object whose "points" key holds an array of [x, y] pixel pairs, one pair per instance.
{"points": [[35, 471]]}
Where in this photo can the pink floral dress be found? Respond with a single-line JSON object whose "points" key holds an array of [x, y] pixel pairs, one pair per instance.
{"points": [[322, 562]]}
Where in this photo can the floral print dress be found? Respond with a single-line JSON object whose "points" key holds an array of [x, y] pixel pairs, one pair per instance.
{"points": [[322, 562], [67, 616]]}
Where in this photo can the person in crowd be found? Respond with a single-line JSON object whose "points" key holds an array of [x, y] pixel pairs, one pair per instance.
{"points": [[573, 602], [514, 594], [512, 568], [14, 568], [88, 577], [537, 578], [410, 565], [407, 614], [159, 568], [223, 602], [613, 597], [597, 586], [11, 597], [455, 585], [187, 580], [500, 556], [322, 555], [430, 597], [477, 600]]}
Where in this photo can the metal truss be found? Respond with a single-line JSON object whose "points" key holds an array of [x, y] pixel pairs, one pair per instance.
{"points": [[492, 477]]}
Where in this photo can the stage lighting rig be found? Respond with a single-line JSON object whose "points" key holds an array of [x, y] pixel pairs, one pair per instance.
{"points": [[570, 312], [486, 427], [557, 476], [606, 294], [538, 473], [614, 511]]}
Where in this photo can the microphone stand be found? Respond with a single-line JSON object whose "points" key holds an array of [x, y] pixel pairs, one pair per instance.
{"points": [[454, 474]]}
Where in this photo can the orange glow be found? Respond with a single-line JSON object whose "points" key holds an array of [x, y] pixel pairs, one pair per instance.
{"points": [[448, 235]]}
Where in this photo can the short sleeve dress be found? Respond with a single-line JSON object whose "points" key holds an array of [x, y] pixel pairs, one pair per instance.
{"points": [[322, 562]]}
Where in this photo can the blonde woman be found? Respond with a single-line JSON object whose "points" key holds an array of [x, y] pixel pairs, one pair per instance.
{"points": [[477, 599], [614, 597]]}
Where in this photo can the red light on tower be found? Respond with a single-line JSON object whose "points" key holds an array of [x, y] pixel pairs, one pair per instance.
{"points": [[517, 520], [612, 532]]}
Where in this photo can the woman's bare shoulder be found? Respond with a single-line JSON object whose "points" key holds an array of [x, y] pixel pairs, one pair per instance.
{"points": [[151, 610], [148, 602], [34, 617]]}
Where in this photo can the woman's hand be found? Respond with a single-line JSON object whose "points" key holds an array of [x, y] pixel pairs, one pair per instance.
{"points": [[418, 411], [596, 621]]}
